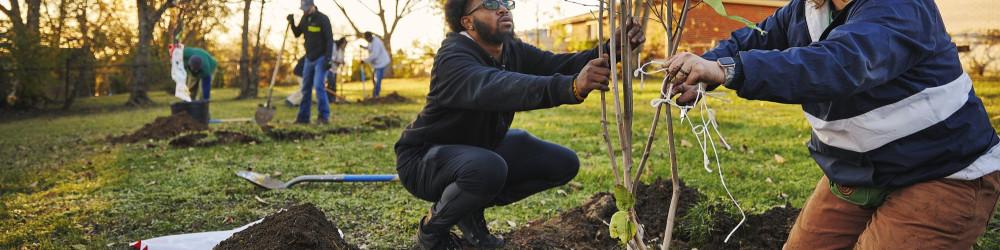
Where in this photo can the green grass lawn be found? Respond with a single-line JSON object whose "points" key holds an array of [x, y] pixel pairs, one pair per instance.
{"points": [[62, 185]]}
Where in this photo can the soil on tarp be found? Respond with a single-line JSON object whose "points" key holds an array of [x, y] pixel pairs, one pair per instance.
{"points": [[391, 98], [221, 138], [162, 128], [585, 227], [298, 227]]}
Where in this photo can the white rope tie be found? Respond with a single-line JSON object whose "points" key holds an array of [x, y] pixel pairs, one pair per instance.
{"points": [[701, 132]]}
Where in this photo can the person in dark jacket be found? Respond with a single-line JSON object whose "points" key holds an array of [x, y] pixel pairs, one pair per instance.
{"points": [[909, 156], [460, 152], [315, 26]]}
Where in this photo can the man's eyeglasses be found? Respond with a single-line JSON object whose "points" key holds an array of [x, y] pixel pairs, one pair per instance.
{"points": [[493, 5]]}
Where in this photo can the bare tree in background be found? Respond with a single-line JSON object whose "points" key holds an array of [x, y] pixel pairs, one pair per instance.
{"points": [[401, 9], [985, 53], [248, 88], [148, 17]]}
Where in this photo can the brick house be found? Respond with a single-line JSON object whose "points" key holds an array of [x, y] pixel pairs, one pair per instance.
{"points": [[703, 30]]}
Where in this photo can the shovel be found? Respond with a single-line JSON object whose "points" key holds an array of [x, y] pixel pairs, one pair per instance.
{"points": [[265, 181], [266, 112]]}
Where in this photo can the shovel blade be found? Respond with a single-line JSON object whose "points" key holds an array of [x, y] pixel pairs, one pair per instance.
{"points": [[264, 115], [261, 180]]}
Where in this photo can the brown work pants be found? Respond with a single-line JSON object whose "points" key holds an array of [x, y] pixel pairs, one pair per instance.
{"points": [[938, 214]]}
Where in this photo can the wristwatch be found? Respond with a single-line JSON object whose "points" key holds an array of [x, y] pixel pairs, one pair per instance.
{"points": [[729, 65]]}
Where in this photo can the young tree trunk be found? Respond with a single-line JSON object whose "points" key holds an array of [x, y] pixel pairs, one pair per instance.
{"points": [[255, 63], [246, 91]]}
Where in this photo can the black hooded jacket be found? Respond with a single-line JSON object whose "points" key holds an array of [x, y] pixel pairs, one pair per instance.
{"points": [[473, 97]]}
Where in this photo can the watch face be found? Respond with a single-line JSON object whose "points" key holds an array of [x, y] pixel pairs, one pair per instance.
{"points": [[726, 61]]}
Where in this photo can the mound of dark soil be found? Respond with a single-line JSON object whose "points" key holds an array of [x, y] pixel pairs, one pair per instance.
{"points": [[221, 138], [381, 122], [291, 135], [585, 227], [162, 128], [391, 98], [298, 227], [384, 122]]}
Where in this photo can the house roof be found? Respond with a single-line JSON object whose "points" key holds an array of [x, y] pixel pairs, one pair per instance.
{"points": [[590, 16]]}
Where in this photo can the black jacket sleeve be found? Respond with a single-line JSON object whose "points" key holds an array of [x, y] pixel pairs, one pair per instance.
{"points": [[548, 63], [460, 81], [297, 29]]}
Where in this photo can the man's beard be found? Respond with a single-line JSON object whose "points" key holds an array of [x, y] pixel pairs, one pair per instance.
{"points": [[495, 36]]}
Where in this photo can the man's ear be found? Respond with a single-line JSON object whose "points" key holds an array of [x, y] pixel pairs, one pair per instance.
{"points": [[467, 23]]}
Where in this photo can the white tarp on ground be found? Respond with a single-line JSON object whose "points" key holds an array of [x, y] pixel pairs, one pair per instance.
{"points": [[192, 241], [177, 72]]}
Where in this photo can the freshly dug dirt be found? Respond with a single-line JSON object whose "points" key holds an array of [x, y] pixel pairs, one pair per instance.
{"points": [[221, 138], [381, 122], [384, 122], [584, 227], [291, 135], [162, 128], [391, 98], [764, 231], [299, 227]]}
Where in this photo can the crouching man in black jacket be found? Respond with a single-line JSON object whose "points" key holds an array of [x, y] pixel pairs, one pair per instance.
{"points": [[460, 153]]}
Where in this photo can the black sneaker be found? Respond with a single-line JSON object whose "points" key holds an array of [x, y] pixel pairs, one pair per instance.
{"points": [[475, 232], [437, 241]]}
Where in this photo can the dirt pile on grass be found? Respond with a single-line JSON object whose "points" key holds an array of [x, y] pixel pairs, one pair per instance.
{"points": [[162, 128], [221, 138], [298, 227], [391, 98], [585, 227], [375, 123], [384, 122]]}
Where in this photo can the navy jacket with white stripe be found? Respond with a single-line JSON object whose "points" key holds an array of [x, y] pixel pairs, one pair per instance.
{"points": [[881, 84]]}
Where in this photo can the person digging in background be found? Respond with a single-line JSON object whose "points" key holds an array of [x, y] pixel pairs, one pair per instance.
{"points": [[201, 64], [315, 26], [909, 155], [336, 60], [378, 58], [460, 152]]}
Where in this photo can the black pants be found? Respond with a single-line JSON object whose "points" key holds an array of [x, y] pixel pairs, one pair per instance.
{"points": [[520, 166]]}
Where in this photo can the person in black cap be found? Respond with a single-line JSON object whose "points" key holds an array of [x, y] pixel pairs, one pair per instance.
{"points": [[315, 26]]}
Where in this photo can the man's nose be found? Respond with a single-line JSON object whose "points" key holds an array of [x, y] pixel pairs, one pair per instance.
{"points": [[502, 10]]}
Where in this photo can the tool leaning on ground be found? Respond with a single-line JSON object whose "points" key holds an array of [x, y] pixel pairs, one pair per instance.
{"points": [[265, 113], [265, 181]]}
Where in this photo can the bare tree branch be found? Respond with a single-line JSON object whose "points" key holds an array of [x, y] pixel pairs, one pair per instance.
{"points": [[5, 10], [344, 11], [163, 8], [366, 6]]}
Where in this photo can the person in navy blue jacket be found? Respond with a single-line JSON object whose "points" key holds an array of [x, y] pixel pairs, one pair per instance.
{"points": [[460, 152], [895, 120]]}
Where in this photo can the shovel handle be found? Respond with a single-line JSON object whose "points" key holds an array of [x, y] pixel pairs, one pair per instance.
{"points": [[343, 178]]}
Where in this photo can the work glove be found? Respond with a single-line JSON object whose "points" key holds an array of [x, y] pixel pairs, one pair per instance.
{"points": [[327, 65], [291, 19], [594, 75]]}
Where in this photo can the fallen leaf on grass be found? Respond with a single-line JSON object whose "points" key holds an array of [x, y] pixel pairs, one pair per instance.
{"points": [[511, 223], [686, 144], [779, 159], [260, 200]]}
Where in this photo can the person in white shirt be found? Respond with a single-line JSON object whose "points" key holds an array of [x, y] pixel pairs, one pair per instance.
{"points": [[336, 60], [378, 58]]}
